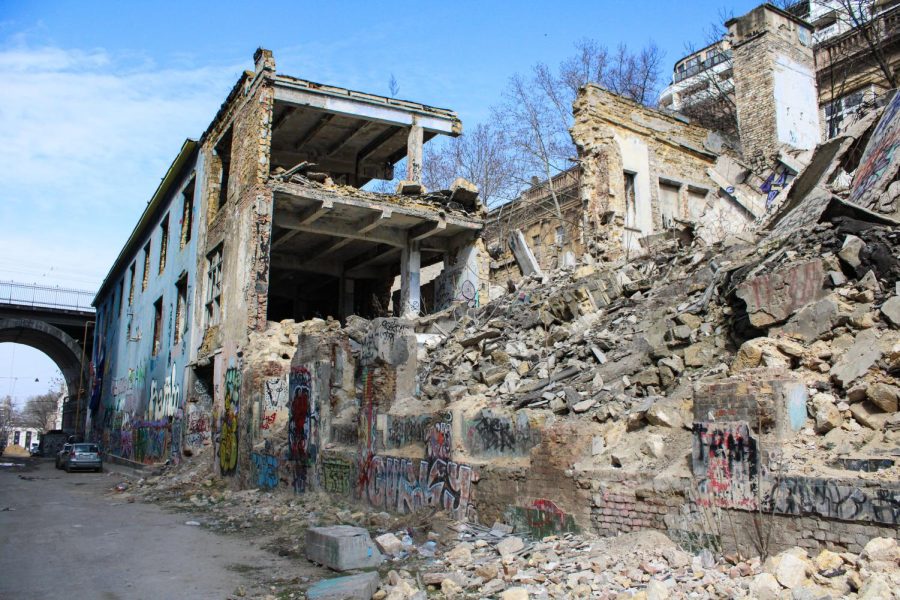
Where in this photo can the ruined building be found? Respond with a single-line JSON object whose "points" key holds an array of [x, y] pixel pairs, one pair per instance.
{"points": [[644, 173], [850, 54], [695, 356], [263, 219]]}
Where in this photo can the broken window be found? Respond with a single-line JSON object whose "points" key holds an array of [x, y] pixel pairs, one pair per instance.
{"points": [[668, 203], [146, 279], [187, 217], [131, 286], [214, 287], [223, 153], [157, 325], [163, 242], [630, 200], [181, 308], [121, 296]]}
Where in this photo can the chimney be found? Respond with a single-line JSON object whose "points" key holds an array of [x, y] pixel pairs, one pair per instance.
{"points": [[775, 84]]}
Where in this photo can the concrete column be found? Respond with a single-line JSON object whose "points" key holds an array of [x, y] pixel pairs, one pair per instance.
{"points": [[345, 291], [414, 145], [410, 293]]}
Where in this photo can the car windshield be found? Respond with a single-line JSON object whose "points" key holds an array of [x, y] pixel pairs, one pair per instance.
{"points": [[85, 448]]}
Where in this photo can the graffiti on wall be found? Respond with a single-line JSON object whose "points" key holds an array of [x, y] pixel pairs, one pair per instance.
{"points": [[149, 440], [164, 401], [337, 475], [228, 429], [834, 499], [274, 402], [385, 342], [201, 392], [366, 427], [878, 164], [130, 382], [452, 285], [265, 469], [303, 427], [492, 434], [437, 443], [725, 460], [402, 431], [406, 485], [540, 519], [198, 431]]}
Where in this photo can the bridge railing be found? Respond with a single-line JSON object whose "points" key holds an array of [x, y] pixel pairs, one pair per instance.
{"points": [[44, 296]]}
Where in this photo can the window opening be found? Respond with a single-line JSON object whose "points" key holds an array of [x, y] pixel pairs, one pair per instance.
{"points": [[223, 152], [146, 279], [187, 217], [163, 242], [180, 309], [630, 200], [214, 287], [131, 286], [157, 325]]}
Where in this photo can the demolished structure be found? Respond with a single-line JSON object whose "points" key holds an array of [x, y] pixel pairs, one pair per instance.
{"points": [[694, 356]]}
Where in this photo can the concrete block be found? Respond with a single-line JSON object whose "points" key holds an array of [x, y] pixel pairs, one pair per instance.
{"points": [[353, 587], [342, 547]]}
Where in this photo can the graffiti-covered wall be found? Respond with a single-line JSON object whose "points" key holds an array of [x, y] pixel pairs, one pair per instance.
{"points": [[142, 342]]}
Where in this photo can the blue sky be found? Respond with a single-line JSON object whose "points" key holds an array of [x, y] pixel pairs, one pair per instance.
{"points": [[97, 97]]}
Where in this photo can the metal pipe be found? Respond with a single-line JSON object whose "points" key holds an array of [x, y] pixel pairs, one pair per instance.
{"points": [[81, 378]]}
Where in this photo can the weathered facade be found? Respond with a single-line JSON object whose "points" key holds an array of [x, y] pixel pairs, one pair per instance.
{"points": [[273, 227]]}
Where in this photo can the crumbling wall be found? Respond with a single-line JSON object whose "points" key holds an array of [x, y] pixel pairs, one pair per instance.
{"points": [[627, 151], [775, 86]]}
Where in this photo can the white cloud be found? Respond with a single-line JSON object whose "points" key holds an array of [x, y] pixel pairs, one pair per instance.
{"points": [[84, 139]]}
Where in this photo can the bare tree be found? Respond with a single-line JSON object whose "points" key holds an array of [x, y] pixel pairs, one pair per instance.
{"points": [[40, 411], [480, 155], [7, 417], [536, 110]]}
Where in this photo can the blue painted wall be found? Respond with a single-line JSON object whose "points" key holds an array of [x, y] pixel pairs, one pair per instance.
{"points": [[137, 396]]}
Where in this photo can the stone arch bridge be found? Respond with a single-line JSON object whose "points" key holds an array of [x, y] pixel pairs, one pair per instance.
{"points": [[58, 322]]}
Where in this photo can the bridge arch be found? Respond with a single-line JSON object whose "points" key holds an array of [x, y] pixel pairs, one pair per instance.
{"points": [[52, 341]]}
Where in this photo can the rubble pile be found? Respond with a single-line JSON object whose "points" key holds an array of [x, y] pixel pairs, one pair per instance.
{"points": [[644, 565], [627, 344]]}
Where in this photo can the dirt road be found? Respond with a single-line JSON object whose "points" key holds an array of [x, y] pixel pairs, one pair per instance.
{"points": [[65, 535]]}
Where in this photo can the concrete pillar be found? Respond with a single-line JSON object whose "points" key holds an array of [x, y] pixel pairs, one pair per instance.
{"points": [[410, 293], [345, 301], [414, 145]]}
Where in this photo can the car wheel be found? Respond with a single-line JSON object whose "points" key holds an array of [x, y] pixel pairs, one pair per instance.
{"points": [[68, 469], [99, 469]]}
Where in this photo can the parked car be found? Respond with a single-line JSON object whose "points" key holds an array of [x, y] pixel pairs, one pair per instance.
{"points": [[35, 449], [64, 451], [81, 456]]}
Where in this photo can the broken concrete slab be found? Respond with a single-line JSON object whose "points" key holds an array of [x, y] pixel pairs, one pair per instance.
{"points": [[891, 311], [813, 320], [342, 547], [351, 587], [774, 297], [857, 360]]}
